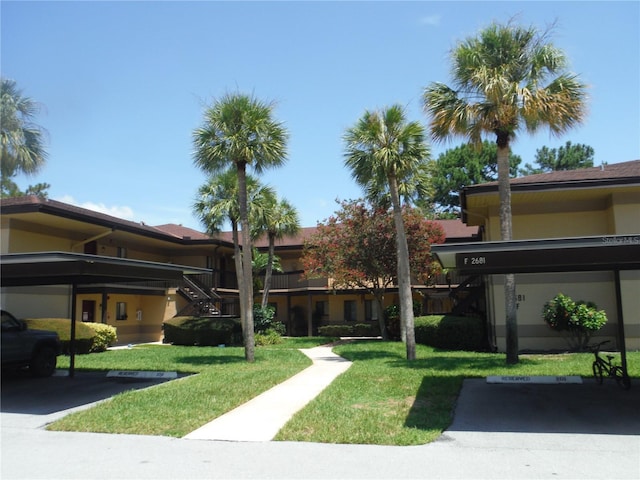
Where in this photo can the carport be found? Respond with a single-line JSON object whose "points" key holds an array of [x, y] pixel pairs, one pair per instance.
{"points": [[603, 253], [64, 268]]}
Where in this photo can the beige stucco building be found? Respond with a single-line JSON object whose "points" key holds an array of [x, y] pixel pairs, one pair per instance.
{"points": [[30, 225], [601, 202]]}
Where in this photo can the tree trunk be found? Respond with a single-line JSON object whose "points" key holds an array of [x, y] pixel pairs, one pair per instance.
{"points": [[379, 296], [269, 271], [246, 296], [504, 189], [237, 259], [404, 274]]}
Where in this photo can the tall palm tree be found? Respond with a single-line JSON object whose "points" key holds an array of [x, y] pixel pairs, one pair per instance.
{"points": [[280, 219], [239, 131], [384, 151], [22, 140], [506, 79]]}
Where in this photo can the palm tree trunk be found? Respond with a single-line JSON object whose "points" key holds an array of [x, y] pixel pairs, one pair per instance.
{"points": [[237, 259], [504, 189], [246, 296], [404, 274], [268, 272]]}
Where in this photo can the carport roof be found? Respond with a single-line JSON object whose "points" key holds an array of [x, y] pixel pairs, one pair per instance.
{"points": [[64, 268], [613, 252]]}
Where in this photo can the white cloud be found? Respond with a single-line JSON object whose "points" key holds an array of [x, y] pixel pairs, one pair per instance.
{"points": [[431, 20], [122, 212]]}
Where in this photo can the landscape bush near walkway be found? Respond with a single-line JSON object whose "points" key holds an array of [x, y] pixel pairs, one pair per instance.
{"points": [[452, 333], [203, 331]]}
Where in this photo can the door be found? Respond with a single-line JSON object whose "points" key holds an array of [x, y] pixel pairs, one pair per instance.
{"points": [[88, 310]]}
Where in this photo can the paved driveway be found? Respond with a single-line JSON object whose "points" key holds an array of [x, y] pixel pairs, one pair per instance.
{"points": [[499, 431]]}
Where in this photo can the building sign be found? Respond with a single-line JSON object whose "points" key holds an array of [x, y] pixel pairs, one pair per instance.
{"points": [[611, 253]]}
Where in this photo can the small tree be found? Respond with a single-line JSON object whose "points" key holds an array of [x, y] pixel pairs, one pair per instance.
{"points": [[356, 248], [576, 321]]}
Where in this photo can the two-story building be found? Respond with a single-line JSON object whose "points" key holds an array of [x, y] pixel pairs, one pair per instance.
{"points": [[575, 232], [200, 273]]}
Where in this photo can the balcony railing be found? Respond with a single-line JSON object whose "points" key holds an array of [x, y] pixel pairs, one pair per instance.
{"points": [[296, 280]]}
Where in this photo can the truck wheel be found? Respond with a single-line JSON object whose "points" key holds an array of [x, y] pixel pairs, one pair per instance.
{"points": [[43, 363]]}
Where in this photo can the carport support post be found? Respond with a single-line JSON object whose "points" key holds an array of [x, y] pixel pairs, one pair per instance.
{"points": [[72, 334], [621, 337]]}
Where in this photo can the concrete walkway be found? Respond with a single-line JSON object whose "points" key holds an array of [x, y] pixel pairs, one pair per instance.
{"points": [[261, 418]]}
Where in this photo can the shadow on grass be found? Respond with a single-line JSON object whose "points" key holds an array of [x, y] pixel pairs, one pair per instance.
{"points": [[198, 360], [468, 363], [434, 403]]}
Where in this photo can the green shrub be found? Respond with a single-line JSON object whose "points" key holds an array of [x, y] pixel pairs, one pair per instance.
{"points": [[263, 320], [335, 331], [392, 321], [451, 333], [357, 330], [577, 321], [268, 337], [366, 330], [104, 336], [62, 326], [202, 331]]}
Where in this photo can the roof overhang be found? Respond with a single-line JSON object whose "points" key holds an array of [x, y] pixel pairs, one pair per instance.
{"points": [[63, 268], [615, 252]]}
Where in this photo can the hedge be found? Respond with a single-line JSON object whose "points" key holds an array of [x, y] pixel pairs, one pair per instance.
{"points": [[451, 333], [62, 326], [203, 331], [357, 330]]}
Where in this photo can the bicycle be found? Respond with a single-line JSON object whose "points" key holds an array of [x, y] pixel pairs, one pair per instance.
{"points": [[601, 367]]}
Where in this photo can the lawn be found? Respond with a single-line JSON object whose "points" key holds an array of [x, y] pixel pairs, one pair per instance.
{"points": [[381, 399]]}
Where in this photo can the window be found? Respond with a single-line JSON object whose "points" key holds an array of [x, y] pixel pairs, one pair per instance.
{"points": [[322, 308], [122, 252], [370, 310], [349, 310], [121, 311]]}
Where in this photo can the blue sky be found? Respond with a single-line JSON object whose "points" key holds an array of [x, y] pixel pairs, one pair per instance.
{"points": [[124, 84]]}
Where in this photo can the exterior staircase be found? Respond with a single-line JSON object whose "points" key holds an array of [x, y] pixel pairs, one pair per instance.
{"points": [[468, 297], [202, 300]]}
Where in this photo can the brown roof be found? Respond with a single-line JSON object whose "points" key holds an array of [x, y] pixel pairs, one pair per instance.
{"points": [[454, 229], [182, 232], [622, 173]]}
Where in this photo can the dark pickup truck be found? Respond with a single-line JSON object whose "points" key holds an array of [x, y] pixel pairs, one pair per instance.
{"points": [[23, 347]]}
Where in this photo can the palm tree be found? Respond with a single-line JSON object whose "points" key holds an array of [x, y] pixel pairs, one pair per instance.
{"points": [[383, 152], [22, 141], [506, 79], [280, 220], [217, 203], [239, 131], [260, 262]]}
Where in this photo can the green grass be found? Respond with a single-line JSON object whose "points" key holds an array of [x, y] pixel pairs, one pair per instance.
{"points": [[224, 381], [385, 400], [381, 399]]}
